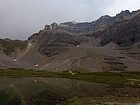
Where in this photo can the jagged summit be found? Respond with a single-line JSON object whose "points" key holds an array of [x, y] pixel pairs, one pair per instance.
{"points": [[105, 17], [100, 24], [124, 13], [106, 44], [118, 29]]}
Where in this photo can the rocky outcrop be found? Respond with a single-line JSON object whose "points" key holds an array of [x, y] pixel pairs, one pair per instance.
{"points": [[122, 29], [124, 33], [51, 43], [107, 44]]}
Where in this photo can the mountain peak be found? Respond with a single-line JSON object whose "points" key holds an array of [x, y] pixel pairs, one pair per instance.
{"points": [[92, 46], [105, 17], [123, 13]]}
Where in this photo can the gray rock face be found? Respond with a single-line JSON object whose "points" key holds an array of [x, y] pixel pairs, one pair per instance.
{"points": [[123, 14], [94, 46], [123, 33], [51, 43], [102, 23], [122, 29], [54, 26]]}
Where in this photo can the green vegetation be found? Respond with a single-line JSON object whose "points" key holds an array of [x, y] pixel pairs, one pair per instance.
{"points": [[8, 46], [45, 98], [54, 95], [9, 99], [80, 101], [131, 79], [101, 100]]}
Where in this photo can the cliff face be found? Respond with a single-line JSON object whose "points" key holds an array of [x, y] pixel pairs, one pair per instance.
{"points": [[122, 29], [107, 44], [124, 33]]}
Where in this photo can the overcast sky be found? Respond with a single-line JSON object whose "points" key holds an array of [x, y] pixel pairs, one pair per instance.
{"points": [[21, 18]]}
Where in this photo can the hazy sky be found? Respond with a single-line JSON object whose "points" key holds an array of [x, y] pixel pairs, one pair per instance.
{"points": [[21, 18]]}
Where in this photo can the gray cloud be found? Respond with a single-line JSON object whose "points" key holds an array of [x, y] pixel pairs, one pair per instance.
{"points": [[21, 18]]}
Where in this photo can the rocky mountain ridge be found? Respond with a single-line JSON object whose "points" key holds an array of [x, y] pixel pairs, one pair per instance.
{"points": [[100, 24], [123, 29], [107, 44]]}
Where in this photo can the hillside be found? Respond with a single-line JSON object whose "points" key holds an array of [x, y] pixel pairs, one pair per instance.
{"points": [[10, 51], [106, 44]]}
